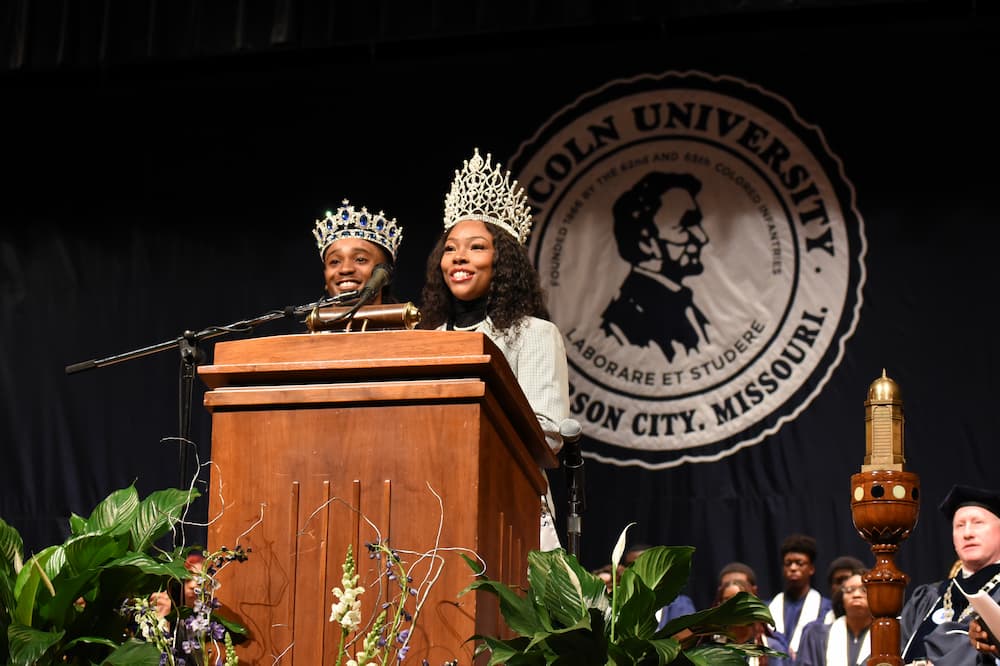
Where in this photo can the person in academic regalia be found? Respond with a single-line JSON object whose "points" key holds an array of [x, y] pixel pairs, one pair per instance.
{"points": [[846, 640], [799, 603], [934, 624], [757, 633]]}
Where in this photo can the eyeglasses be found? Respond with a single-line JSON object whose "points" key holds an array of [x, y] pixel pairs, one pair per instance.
{"points": [[851, 589]]}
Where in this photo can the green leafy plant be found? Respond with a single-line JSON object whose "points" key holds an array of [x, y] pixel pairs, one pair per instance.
{"points": [[567, 616], [61, 605]]}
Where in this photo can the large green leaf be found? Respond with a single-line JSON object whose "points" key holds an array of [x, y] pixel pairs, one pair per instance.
{"points": [[77, 524], [665, 570], [157, 514], [579, 648], [92, 640], [557, 587], [637, 613], [88, 552], [115, 513], [150, 565], [517, 611], [740, 609], [28, 646], [28, 581], [503, 652], [729, 654], [7, 601], [54, 563], [11, 545], [232, 626], [667, 649], [134, 653]]}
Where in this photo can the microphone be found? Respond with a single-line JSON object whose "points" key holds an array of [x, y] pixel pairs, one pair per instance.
{"points": [[570, 430], [380, 279]]}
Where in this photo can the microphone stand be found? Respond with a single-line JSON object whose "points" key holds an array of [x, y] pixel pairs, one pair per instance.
{"points": [[575, 495], [192, 354]]}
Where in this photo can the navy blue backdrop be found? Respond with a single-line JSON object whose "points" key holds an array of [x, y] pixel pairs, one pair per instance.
{"points": [[142, 201]]}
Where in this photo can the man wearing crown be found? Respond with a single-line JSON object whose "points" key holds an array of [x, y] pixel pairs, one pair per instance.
{"points": [[351, 244], [480, 278]]}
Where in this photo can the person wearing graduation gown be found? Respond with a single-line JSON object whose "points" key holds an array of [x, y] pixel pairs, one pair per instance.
{"points": [[798, 603], [934, 624], [846, 640], [757, 633]]}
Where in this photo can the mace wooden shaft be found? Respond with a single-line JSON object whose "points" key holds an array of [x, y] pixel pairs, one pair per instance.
{"points": [[885, 506]]}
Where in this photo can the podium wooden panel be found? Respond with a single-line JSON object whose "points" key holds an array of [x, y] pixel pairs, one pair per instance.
{"points": [[325, 440]]}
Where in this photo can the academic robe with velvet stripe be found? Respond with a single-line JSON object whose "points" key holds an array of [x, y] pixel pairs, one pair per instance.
{"points": [[944, 643]]}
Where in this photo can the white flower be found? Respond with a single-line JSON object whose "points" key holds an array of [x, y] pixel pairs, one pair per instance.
{"points": [[347, 610]]}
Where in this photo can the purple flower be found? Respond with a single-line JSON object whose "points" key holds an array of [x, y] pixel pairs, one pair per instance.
{"points": [[218, 631]]}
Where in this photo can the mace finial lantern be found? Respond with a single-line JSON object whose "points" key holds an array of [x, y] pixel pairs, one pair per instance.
{"points": [[885, 505]]}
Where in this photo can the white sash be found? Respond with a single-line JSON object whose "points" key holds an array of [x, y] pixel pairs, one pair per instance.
{"points": [[836, 645], [810, 611]]}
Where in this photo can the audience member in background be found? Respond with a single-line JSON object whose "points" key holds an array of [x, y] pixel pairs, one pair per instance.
{"points": [[682, 605], [798, 604], [840, 570], [604, 573], [846, 641], [757, 633], [737, 571]]}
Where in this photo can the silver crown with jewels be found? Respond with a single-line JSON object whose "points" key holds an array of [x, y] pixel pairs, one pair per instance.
{"points": [[349, 222], [480, 192]]}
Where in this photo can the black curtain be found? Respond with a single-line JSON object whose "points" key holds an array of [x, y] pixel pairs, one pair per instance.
{"points": [[140, 202]]}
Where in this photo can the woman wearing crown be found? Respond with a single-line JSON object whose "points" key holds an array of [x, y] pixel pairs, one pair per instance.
{"points": [[351, 244], [479, 278]]}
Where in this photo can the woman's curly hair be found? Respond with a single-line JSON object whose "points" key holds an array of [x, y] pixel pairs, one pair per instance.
{"points": [[515, 291]]}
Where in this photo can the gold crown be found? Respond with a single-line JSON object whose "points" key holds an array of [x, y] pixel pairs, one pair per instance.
{"points": [[348, 222], [481, 193]]}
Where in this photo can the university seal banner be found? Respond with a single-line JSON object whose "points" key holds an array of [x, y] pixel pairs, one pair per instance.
{"points": [[703, 257]]}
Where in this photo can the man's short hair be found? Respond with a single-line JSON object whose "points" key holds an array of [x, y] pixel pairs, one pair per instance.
{"points": [[739, 567], [843, 562], [799, 543]]}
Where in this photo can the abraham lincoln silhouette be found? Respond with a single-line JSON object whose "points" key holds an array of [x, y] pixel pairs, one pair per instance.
{"points": [[657, 226]]}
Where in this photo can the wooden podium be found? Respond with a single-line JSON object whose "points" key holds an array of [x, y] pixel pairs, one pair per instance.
{"points": [[324, 440]]}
